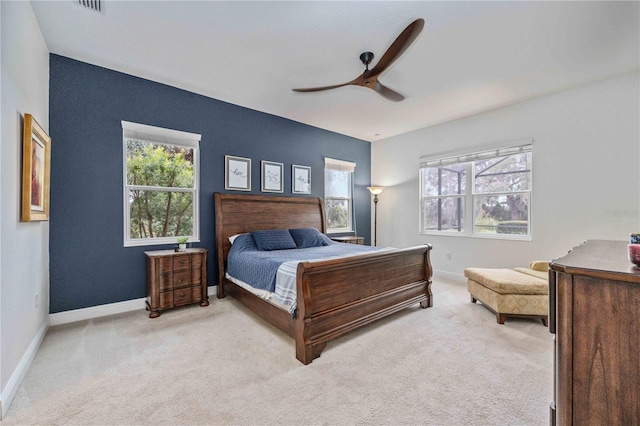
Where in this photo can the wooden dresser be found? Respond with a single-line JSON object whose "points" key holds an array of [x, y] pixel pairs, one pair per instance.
{"points": [[594, 308], [176, 279]]}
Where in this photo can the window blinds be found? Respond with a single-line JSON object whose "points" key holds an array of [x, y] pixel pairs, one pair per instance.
{"points": [[345, 166], [481, 155], [158, 134]]}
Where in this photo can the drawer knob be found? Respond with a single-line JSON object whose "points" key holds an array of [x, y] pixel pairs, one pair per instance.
{"points": [[182, 296]]}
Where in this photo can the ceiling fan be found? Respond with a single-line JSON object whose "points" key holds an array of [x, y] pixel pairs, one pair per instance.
{"points": [[369, 78]]}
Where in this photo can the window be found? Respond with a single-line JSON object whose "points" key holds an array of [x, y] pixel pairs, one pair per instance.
{"points": [[161, 181], [491, 190], [338, 194]]}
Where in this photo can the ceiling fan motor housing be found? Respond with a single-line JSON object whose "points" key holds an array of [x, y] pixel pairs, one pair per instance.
{"points": [[366, 58]]}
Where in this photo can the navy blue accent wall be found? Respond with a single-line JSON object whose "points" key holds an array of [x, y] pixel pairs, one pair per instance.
{"points": [[88, 264]]}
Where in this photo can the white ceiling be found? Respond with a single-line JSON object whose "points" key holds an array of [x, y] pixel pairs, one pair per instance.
{"points": [[471, 56]]}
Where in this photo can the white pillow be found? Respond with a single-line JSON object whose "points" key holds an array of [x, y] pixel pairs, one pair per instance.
{"points": [[233, 238]]}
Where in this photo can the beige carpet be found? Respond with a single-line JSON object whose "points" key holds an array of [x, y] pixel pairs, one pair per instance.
{"points": [[448, 365]]}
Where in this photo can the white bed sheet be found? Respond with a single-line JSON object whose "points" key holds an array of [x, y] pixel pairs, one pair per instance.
{"points": [[263, 294]]}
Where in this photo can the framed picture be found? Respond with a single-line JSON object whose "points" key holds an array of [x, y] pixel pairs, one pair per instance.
{"points": [[36, 164], [272, 176], [237, 173], [300, 179]]}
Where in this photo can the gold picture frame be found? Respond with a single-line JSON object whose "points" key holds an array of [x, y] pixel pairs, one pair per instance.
{"points": [[36, 165]]}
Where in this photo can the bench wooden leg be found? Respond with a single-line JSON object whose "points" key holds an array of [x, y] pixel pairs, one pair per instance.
{"points": [[473, 299], [500, 318]]}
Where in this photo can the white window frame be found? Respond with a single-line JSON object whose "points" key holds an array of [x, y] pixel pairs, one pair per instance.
{"points": [[349, 167], [159, 135], [469, 219]]}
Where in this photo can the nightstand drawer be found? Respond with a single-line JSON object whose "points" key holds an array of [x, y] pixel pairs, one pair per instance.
{"points": [[178, 279], [181, 261], [181, 279], [182, 296], [351, 239]]}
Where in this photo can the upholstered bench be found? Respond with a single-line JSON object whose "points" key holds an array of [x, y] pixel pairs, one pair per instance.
{"points": [[518, 292]]}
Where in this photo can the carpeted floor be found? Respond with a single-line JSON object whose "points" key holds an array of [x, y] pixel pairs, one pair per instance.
{"points": [[447, 365]]}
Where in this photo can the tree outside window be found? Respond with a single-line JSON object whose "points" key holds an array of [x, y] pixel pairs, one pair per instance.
{"points": [[502, 190], [338, 196], [338, 200], [499, 203], [160, 191]]}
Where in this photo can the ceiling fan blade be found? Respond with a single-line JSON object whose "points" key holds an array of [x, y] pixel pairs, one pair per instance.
{"points": [[397, 48], [318, 89], [384, 91]]}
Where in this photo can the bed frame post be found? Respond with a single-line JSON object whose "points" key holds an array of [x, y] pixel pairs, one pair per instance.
{"points": [[428, 274], [306, 352], [304, 349], [217, 205]]}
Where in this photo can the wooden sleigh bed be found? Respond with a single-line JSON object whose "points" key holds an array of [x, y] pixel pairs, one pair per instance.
{"points": [[333, 296]]}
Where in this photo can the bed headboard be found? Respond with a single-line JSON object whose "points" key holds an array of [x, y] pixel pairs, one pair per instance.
{"points": [[240, 213]]}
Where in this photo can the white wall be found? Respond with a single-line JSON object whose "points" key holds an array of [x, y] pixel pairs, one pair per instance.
{"points": [[586, 180], [24, 247]]}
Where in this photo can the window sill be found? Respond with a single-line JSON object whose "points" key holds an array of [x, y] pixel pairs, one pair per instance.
{"points": [[481, 236], [162, 242]]}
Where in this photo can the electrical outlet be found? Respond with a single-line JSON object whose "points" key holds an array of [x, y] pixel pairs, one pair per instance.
{"points": [[36, 301]]}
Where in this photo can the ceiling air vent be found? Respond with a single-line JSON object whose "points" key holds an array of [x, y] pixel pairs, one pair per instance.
{"points": [[91, 4]]}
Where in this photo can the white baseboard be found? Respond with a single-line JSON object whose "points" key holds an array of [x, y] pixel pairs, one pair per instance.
{"points": [[96, 311], [65, 318], [450, 275], [105, 310], [18, 374]]}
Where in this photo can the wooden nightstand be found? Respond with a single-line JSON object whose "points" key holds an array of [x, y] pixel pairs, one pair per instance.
{"points": [[176, 279], [351, 239]]}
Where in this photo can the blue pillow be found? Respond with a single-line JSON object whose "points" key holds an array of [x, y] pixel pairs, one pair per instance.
{"points": [[308, 237], [243, 242], [273, 239]]}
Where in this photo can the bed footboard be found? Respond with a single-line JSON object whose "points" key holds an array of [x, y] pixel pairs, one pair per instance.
{"points": [[339, 295]]}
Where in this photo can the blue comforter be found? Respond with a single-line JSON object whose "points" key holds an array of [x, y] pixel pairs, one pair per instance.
{"points": [[258, 268]]}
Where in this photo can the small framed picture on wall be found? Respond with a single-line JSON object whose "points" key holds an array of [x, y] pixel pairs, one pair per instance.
{"points": [[300, 179], [237, 173], [272, 176]]}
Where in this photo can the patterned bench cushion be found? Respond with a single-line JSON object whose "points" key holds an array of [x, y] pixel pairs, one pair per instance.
{"points": [[508, 281]]}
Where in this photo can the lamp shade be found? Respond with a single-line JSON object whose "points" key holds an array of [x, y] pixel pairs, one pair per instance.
{"points": [[375, 190]]}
